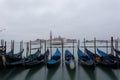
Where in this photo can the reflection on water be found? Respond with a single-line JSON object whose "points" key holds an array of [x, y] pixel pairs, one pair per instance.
{"points": [[90, 72], [109, 72], [60, 72], [51, 72], [14, 73], [9, 74], [71, 73], [4, 73], [32, 71]]}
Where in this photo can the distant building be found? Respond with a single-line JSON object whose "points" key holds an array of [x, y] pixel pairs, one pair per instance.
{"points": [[56, 40]]}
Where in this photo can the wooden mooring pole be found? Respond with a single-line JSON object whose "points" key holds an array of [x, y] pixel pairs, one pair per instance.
{"points": [[40, 45], [13, 46], [27, 49], [73, 47], [84, 45], [30, 47], [112, 51], [5, 47], [95, 45], [78, 44], [116, 44], [106, 46], [2, 42], [51, 47], [45, 46], [62, 49], [20, 48]]}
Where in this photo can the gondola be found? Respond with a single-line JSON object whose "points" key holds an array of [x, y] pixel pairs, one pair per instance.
{"points": [[70, 60], [55, 59], [10, 57], [22, 62], [106, 60], [40, 60], [117, 57], [85, 60], [117, 52], [91, 54]]}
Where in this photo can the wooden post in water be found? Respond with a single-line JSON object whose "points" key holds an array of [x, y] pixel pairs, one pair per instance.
{"points": [[62, 49], [20, 45], [2, 43], [46, 59], [112, 52], [2, 47], [51, 47], [12, 47], [21, 48], [106, 46], [73, 47], [78, 44], [45, 45], [5, 47], [30, 47], [84, 45], [116, 44], [40, 45], [95, 45], [27, 49]]}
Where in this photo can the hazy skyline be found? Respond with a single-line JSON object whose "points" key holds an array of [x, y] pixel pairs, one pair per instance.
{"points": [[32, 19]]}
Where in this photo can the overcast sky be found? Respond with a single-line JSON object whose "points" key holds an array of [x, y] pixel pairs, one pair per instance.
{"points": [[31, 19]]}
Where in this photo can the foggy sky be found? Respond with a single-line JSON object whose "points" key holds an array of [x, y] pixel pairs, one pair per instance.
{"points": [[32, 19]]}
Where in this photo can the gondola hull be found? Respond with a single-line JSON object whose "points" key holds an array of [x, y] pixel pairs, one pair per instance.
{"points": [[89, 65], [53, 64], [86, 60], [70, 60], [71, 64], [55, 60], [21, 62], [15, 64], [34, 63], [10, 57], [40, 60], [106, 60]]}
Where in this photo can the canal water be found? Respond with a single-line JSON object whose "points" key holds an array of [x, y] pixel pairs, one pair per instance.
{"points": [[58, 73]]}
